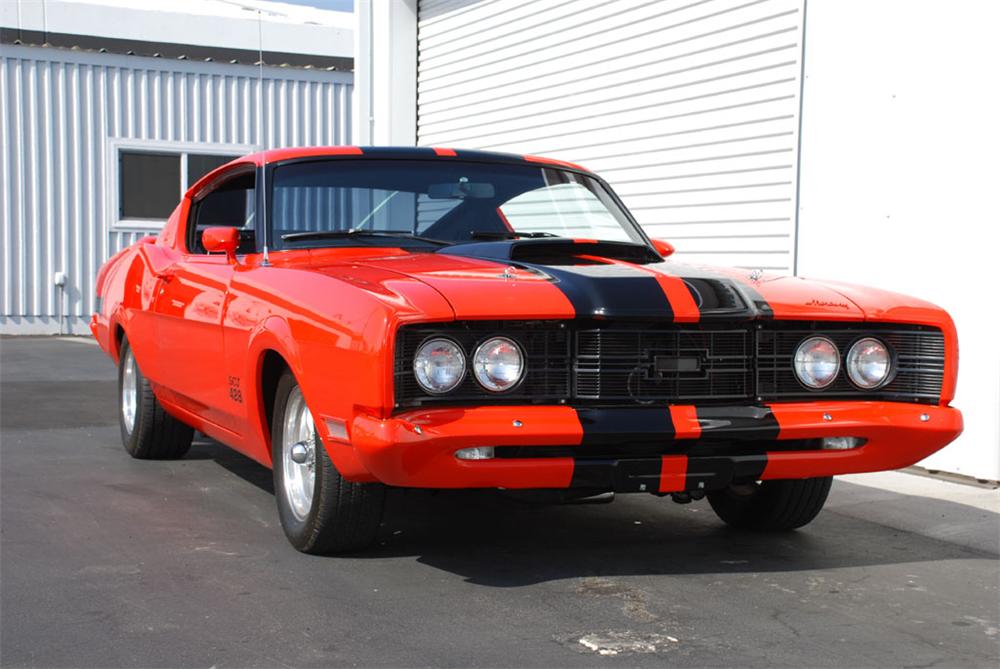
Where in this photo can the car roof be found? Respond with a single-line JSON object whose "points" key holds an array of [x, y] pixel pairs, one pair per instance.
{"points": [[272, 156], [400, 152]]}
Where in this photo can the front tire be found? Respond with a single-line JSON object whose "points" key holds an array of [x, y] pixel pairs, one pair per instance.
{"points": [[148, 431], [771, 506], [320, 511]]}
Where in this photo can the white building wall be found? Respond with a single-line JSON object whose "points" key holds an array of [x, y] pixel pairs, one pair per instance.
{"points": [[689, 109], [62, 114], [385, 58], [900, 141], [233, 24]]}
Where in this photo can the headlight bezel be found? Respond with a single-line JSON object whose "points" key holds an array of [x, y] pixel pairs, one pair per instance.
{"points": [[474, 364], [462, 356], [891, 366], [837, 358]]}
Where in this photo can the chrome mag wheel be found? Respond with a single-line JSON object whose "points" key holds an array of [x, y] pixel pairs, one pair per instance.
{"points": [[321, 512], [130, 385], [298, 455]]}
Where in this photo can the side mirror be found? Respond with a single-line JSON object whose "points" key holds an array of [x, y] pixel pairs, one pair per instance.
{"points": [[664, 248], [221, 240]]}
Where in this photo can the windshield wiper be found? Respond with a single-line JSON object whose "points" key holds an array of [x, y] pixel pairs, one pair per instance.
{"points": [[376, 209], [510, 234], [347, 234]]}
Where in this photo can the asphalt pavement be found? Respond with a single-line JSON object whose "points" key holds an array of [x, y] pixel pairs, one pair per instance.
{"points": [[107, 561]]}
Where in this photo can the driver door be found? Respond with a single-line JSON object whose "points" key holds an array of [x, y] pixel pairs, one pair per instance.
{"points": [[191, 301]]}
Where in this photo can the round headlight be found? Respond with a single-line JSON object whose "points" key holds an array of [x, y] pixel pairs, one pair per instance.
{"points": [[868, 363], [498, 364], [817, 362], [439, 365]]}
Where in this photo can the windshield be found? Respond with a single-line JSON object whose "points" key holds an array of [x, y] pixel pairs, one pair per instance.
{"points": [[340, 202]]}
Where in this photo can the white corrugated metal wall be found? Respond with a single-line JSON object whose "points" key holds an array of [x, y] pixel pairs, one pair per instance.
{"points": [[924, 124], [62, 110], [689, 109]]}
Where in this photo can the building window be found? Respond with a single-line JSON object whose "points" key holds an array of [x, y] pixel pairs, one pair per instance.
{"points": [[200, 164], [151, 183]]}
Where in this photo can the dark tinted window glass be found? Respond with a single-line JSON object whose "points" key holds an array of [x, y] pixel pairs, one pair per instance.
{"points": [[200, 164], [230, 205], [451, 201], [150, 184]]}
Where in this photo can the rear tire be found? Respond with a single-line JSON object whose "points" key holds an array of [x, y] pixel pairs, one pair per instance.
{"points": [[148, 431], [771, 506], [320, 512]]}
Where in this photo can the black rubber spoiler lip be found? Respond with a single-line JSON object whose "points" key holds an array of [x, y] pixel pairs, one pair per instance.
{"points": [[528, 250]]}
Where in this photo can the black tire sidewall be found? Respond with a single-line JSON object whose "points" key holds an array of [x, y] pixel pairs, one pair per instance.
{"points": [[738, 510], [155, 435], [775, 506], [130, 440], [300, 533]]}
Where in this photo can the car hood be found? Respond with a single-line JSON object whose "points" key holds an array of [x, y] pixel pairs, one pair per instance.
{"points": [[480, 288]]}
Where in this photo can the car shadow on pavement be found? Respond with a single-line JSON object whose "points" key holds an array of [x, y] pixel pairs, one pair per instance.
{"points": [[236, 463], [491, 539], [504, 543]]}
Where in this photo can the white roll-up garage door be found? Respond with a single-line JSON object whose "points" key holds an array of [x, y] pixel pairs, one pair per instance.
{"points": [[689, 109]]}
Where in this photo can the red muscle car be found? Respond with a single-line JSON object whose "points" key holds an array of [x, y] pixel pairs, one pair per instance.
{"points": [[356, 318]]}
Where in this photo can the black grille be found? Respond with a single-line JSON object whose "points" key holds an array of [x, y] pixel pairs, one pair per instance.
{"points": [[919, 363], [612, 364], [654, 365]]}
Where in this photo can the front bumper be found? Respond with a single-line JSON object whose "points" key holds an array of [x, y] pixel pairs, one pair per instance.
{"points": [[680, 448]]}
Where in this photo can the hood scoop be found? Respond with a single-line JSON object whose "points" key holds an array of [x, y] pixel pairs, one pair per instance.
{"points": [[554, 252]]}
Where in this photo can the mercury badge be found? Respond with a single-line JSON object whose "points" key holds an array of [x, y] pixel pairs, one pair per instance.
{"points": [[756, 274], [509, 273]]}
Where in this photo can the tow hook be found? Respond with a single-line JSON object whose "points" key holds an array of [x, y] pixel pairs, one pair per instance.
{"points": [[687, 497]]}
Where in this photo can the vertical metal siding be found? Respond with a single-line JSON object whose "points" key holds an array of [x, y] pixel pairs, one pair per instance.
{"points": [[689, 109], [60, 109], [306, 208]]}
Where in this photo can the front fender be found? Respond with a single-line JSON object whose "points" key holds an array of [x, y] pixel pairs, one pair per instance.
{"points": [[883, 306], [334, 326], [274, 335]]}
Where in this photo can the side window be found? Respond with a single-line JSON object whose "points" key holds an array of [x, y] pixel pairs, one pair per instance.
{"points": [[231, 204]]}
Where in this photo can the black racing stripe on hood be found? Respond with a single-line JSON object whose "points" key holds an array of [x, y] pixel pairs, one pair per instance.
{"points": [[613, 288], [609, 291], [702, 282]]}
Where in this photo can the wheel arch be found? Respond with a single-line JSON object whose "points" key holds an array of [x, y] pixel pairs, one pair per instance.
{"points": [[272, 366], [272, 351], [117, 337]]}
